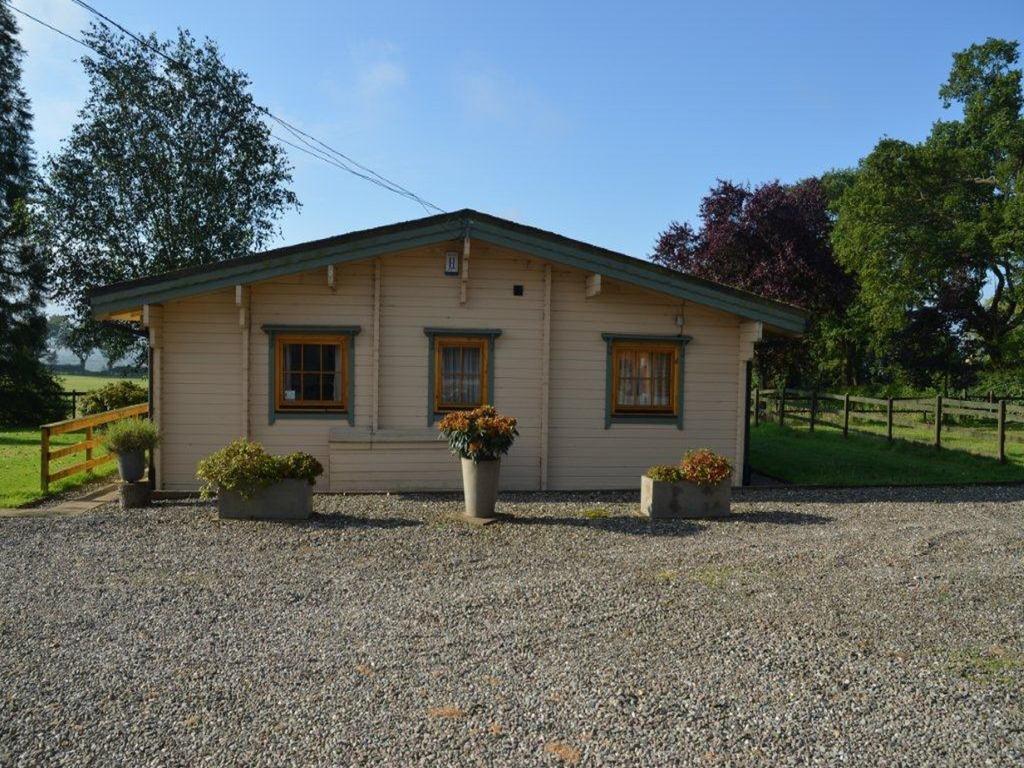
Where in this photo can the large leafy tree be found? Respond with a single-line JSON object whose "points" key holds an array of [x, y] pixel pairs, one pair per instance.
{"points": [[935, 230], [28, 393], [170, 164], [772, 240]]}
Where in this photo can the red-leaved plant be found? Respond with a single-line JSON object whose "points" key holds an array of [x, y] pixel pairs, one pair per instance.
{"points": [[705, 468]]}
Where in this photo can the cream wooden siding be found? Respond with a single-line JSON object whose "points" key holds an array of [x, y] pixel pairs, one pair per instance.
{"points": [[586, 455], [306, 299], [202, 370], [416, 294], [201, 383]]}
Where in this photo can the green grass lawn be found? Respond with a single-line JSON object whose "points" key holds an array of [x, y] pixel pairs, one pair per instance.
{"points": [[824, 457], [19, 457], [88, 382]]}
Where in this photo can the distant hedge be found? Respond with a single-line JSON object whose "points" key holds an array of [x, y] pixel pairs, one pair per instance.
{"points": [[118, 394]]}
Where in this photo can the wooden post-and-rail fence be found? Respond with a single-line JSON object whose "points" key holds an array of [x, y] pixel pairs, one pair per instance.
{"points": [[86, 425], [806, 406]]}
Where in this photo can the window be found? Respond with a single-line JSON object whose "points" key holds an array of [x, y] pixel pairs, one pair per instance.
{"points": [[460, 369], [312, 373], [644, 379], [460, 373]]}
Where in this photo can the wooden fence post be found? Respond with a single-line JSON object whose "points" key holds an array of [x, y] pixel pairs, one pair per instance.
{"points": [[88, 451], [44, 460], [846, 414], [782, 405], [1002, 431], [888, 419], [757, 406], [814, 407], [938, 421]]}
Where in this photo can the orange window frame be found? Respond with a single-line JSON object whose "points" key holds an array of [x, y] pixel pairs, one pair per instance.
{"points": [[621, 349], [335, 406], [459, 342]]}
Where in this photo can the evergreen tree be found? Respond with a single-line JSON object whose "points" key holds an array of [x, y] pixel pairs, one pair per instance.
{"points": [[28, 393]]}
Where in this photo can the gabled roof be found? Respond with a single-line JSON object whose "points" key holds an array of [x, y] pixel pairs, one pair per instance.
{"points": [[367, 243]]}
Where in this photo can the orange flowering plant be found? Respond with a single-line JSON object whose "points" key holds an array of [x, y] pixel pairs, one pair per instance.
{"points": [[482, 434], [705, 468]]}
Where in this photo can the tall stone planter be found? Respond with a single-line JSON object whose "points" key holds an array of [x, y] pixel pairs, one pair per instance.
{"points": [[665, 501], [480, 488], [284, 500]]}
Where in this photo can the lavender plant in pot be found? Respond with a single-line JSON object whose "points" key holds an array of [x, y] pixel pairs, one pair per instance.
{"points": [[129, 440], [480, 438]]}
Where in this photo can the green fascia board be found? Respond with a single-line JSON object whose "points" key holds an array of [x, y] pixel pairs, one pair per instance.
{"points": [[349, 414], [368, 244], [432, 333], [241, 274], [647, 275]]}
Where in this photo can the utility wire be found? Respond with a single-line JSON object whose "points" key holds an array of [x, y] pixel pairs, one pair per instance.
{"points": [[384, 181], [389, 184], [313, 146]]}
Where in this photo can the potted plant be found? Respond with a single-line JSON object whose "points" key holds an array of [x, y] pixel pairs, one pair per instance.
{"points": [[480, 438], [249, 483], [697, 487], [129, 440]]}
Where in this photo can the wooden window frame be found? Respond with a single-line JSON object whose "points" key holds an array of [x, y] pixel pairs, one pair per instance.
{"points": [[461, 342], [614, 414], [275, 331], [437, 337], [311, 406], [619, 349]]}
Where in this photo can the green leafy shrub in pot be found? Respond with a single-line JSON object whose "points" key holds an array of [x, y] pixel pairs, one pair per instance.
{"points": [[118, 394], [130, 435], [665, 473], [245, 467]]}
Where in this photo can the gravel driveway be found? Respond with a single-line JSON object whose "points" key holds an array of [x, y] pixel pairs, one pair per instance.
{"points": [[880, 627]]}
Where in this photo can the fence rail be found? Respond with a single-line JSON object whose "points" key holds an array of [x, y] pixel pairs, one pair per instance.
{"points": [[86, 425], [806, 406]]}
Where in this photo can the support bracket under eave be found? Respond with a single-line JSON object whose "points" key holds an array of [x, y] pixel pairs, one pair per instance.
{"points": [[242, 302], [464, 272], [593, 285], [330, 278]]}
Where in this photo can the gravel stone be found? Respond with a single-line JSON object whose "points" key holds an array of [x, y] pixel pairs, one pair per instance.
{"points": [[814, 628]]}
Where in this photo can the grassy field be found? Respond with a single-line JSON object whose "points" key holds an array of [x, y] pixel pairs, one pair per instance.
{"points": [[19, 457], [19, 452], [88, 382], [796, 455]]}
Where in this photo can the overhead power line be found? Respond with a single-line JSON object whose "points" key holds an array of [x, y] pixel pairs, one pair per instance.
{"points": [[313, 146]]}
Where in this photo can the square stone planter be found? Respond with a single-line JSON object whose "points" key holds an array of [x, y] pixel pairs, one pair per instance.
{"points": [[285, 500], [661, 500]]}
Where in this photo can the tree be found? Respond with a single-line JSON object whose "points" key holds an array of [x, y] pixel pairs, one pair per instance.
{"points": [[169, 165], [28, 393], [772, 240], [927, 227]]}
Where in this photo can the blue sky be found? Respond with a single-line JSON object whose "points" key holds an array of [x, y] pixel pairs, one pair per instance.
{"points": [[601, 121]]}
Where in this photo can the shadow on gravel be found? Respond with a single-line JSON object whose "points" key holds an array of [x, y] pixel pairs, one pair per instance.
{"points": [[931, 494], [631, 526], [779, 517], [347, 521]]}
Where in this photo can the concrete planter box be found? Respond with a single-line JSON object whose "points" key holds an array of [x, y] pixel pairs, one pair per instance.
{"points": [[661, 500], [480, 488], [284, 500]]}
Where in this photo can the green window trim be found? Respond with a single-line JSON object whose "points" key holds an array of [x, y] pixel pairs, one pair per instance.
{"points": [[272, 332], [432, 334], [609, 417]]}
